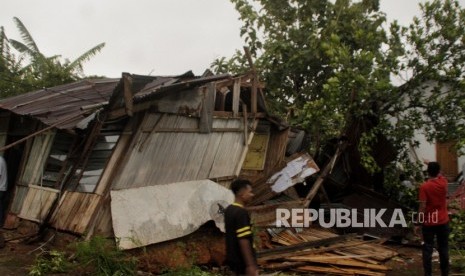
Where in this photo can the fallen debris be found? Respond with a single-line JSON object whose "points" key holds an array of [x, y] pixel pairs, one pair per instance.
{"points": [[322, 251]]}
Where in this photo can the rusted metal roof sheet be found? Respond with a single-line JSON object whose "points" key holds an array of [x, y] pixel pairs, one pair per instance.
{"points": [[52, 105], [165, 84]]}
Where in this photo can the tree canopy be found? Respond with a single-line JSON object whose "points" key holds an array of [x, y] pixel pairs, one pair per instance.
{"points": [[329, 63], [23, 67]]}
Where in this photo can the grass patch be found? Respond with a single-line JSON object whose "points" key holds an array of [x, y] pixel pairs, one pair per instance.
{"points": [[191, 271], [98, 256]]}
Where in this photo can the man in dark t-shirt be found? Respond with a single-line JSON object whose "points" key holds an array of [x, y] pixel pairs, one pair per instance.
{"points": [[240, 253]]}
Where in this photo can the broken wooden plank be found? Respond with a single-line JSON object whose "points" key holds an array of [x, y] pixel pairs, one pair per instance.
{"points": [[339, 260], [321, 178], [244, 110], [127, 93], [282, 266], [228, 114], [236, 97], [338, 271], [313, 251], [208, 105]]}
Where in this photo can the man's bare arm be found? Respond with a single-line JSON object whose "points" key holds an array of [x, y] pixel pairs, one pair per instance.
{"points": [[249, 260]]}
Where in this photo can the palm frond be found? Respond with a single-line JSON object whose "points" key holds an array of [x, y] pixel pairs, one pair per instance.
{"points": [[4, 43], [22, 48], [26, 35], [3, 39], [77, 63]]}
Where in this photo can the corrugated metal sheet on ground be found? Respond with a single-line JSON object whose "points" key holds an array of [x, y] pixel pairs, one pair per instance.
{"points": [[52, 105], [169, 157], [147, 215], [75, 211], [37, 203]]}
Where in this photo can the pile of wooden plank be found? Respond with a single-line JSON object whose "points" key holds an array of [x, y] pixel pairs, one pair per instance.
{"points": [[314, 250]]}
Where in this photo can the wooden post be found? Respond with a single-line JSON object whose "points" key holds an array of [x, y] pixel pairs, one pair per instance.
{"points": [[127, 92], [208, 105], [246, 124], [321, 178], [236, 96], [253, 96]]}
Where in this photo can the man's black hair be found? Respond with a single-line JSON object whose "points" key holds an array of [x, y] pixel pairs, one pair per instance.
{"points": [[433, 169], [238, 185]]}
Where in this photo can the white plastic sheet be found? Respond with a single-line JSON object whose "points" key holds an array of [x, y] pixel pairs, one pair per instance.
{"points": [[153, 214]]}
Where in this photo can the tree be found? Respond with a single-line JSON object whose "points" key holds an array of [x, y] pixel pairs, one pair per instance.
{"points": [[41, 71], [334, 63], [10, 68]]}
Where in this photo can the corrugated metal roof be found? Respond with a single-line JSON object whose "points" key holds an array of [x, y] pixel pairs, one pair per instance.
{"points": [[165, 84], [52, 105]]}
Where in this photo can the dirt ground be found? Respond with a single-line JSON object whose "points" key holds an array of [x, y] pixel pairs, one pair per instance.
{"points": [[16, 258]]}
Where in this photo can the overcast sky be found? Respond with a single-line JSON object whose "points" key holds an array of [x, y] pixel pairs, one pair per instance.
{"points": [[157, 37]]}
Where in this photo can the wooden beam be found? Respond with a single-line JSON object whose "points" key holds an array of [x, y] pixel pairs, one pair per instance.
{"points": [[67, 119], [255, 83], [194, 130], [244, 110], [253, 97], [236, 97], [321, 178], [229, 114], [333, 248], [249, 58], [113, 165], [127, 92], [246, 148], [208, 105], [305, 245]]}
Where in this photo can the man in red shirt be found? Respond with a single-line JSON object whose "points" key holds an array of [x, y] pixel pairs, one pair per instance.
{"points": [[433, 206]]}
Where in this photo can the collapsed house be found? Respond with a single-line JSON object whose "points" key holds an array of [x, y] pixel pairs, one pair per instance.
{"points": [[148, 159], [139, 157]]}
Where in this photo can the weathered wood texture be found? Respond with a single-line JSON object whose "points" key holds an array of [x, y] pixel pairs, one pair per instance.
{"points": [[320, 251], [274, 161], [74, 211], [37, 157], [170, 157], [37, 203]]}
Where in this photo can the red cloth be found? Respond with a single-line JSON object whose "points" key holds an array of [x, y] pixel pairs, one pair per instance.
{"points": [[434, 193]]}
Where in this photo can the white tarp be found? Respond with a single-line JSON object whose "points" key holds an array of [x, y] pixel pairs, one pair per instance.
{"points": [[147, 215], [295, 172]]}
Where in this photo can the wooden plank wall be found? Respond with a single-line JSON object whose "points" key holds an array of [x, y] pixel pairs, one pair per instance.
{"points": [[74, 211], [30, 174], [171, 149], [104, 226], [20, 194], [274, 162], [37, 203], [38, 155]]}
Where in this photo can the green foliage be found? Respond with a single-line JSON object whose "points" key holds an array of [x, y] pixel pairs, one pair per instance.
{"points": [[457, 259], [50, 262], [191, 271], [16, 77], [330, 63], [457, 237], [457, 227], [104, 258]]}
